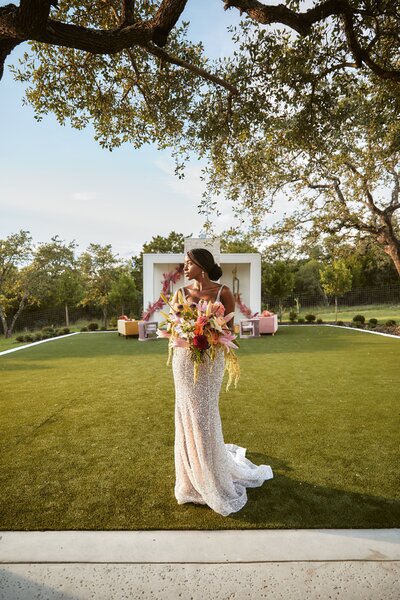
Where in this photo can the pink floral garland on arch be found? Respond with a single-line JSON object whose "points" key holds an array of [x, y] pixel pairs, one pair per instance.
{"points": [[245, 310], [173, 277], [168, 278]]}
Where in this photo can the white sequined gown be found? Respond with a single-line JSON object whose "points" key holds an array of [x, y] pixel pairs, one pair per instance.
{"points": [[207, 470]]}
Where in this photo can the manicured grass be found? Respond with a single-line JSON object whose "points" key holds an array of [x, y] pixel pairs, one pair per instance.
{"points": [[88, 433], [382, 312]]}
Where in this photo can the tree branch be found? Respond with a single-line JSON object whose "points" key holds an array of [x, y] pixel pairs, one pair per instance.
{"points": [[32, 16], [127, 12], [361, 55], [166, 18], [6, 47], [160, 53], [302, 22], [396, 189], [299, 21], [369, 198], [141, 87], [31, 21]]}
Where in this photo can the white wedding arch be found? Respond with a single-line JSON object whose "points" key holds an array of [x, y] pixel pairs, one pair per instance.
{"points": [[241, 273]]}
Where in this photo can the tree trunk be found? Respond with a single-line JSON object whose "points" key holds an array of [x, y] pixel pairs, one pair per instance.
{"points": [[325, 298], [4, 321], [66, 315], [104, 309], [391, 244], [392, 249], [9, 329], [335, 309]]}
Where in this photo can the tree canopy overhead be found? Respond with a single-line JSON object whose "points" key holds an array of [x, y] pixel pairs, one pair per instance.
{"points": [[369, 28], [308, 102]]}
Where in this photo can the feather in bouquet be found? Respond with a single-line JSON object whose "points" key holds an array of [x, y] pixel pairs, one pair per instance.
{"points": [[202, 329]]}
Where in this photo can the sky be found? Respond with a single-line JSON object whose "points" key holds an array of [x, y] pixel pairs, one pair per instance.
{"points": [[55, 180]]}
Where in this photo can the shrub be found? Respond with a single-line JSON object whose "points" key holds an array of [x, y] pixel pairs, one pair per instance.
{"points": [[48, 329], [103, 328], [93, 326], [28, 338], [48, 332], [292, 316], [65, 330], [37, 337], [20, 338], [83, 329], [310, 318], [319, 321], [300, 320], [373, 321], [391, 323], [340, 323], [113, 322], [359, 319]]}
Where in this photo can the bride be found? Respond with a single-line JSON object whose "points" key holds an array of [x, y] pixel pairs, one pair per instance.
{"points": [[207, 470]]}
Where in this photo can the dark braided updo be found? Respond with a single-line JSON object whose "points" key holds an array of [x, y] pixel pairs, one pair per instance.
{"points": [[205, 260]]}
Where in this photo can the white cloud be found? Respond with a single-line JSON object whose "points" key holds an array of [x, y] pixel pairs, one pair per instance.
{"points": [[85, 195]]}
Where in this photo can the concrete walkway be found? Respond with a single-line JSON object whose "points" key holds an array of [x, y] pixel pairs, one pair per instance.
{"points": [[353, 564]]}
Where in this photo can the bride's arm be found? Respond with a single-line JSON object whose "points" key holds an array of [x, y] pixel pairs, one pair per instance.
{"points": [[228, 300]]}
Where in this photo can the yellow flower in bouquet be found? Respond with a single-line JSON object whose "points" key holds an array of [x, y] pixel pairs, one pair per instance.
{"points": [[202, 329]]}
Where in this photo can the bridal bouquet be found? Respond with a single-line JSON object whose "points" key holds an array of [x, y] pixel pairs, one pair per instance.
{"points": [[202, 329]]}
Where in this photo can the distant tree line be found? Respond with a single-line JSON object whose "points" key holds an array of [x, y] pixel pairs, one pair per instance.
{"points": [[52, 274]]}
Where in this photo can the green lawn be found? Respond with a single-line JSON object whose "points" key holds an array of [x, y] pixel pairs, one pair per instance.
{"points": [[88, 432]]}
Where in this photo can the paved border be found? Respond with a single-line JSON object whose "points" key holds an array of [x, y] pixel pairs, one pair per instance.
{"points": [[266, 581], [363, 330], [188, 546], [397, 337]]}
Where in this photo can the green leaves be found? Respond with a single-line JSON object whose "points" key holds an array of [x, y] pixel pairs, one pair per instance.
{"points": [[336, 279]]}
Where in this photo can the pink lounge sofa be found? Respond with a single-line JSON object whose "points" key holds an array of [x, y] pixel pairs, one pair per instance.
{"points": [[268, 324]]}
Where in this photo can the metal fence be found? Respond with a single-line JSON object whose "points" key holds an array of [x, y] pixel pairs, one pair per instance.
{"points": [[32, 320], [387, 294]]}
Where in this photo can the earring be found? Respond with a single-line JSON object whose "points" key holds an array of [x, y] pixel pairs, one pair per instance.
{"points": [[202, 273]]}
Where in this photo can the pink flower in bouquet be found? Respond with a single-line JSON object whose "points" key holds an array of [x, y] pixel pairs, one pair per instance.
{"points": [[202, 320], [202, 306], [179, 343], [161, 333], [201, 342], [227, 340], [226, 319], [218, 309]]}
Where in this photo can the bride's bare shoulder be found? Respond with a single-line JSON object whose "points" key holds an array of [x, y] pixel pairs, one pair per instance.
{"points": [[226, 292]]}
